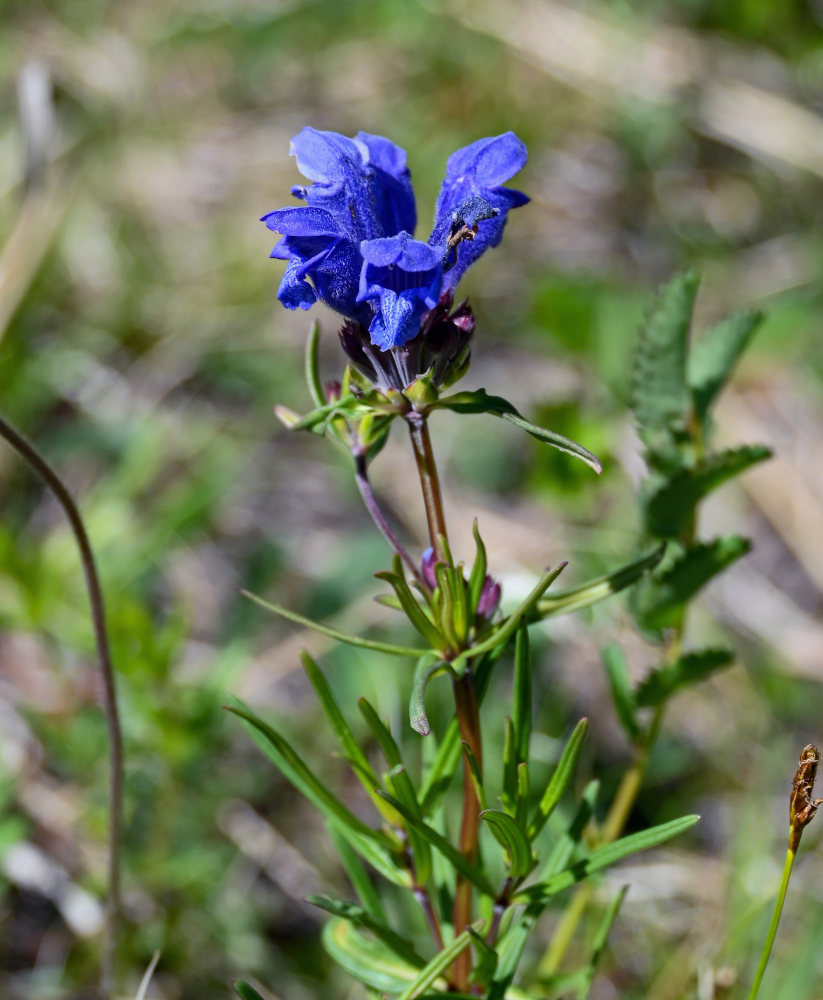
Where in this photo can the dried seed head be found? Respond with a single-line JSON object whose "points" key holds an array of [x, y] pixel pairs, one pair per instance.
{"points": [[802, 807]]}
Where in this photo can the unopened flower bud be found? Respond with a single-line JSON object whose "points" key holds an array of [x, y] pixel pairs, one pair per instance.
{"points": [[489, 600], [427, 568]]}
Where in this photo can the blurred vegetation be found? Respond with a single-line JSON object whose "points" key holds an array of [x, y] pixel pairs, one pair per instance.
{"points": [[142, 348]]}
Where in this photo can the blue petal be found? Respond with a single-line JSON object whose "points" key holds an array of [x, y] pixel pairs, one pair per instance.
{"points": [[294, 291], [401, 279], [362, 182], [473, 205]]}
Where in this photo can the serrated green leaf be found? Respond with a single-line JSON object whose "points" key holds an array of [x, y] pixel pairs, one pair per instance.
{"points": [[361, 918], [713, 356], [428, 667], [604, 857], [460, 863], [367, 960], [312, 366], [438, 965], [688, 670], [581, 596], [660, 601], [671, 507], [479, 401], [617, 671], [560, 779], [521, 861], [333, 633], [660, 397]]}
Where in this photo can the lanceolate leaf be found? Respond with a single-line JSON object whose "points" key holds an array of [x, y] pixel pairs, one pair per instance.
{"points": [[478, 573], [313, 367], [560, 779], [441, 771], [660, 397], [713, 356], [514, 837], [660, 599], [367, 960], [361, 918], [604, 857], [584, 594], [438, 965], [428, 667], [522, 707], [508, 628], [617, 670], [372, 845], [412, 609], [333, 633], [599, 943], [670, 508], [479, 401], [461, 864], [690, 669], [244, 991], [358, 876]]}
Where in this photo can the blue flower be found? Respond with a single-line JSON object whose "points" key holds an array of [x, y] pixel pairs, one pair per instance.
{"points": [[352, 245]]}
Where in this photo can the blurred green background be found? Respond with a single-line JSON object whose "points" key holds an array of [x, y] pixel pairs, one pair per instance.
{"points": [[142, 348]]}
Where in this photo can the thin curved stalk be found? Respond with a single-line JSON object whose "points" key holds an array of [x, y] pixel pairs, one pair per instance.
{"points": [[778, 909], [35, 460]]}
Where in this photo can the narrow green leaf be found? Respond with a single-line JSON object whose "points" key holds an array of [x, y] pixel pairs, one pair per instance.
{"points": [[571, 838], [659, 395], [313, 365], [670, 508], [426, 671], [358, 876], [604, 857], [438, 965], [367, 960], [385, 740], [509, 626], [351, 748], [400, 786], [361, 918], [461, 864], [476, 774], [333, 633], [521, 861], [599, 943], [412, 609], [479, 401], [292, 766], [620, 685], [523, 787], [713, 356], [244, 991], [441, 772], [593, 591], [442, 574], [460, 603], [560, 779], [372, 845], [510, 762], [688, 670], [478, 573], [319, 418], [486, 964], [659, 602], [522, 706]]}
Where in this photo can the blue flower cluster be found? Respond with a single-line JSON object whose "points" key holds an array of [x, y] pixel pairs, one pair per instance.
{"points": [[352, 245]]}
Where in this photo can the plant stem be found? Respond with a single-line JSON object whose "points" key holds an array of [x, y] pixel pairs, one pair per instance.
{"points": [[468, 718], [429, 482], [98, 615], [361, 476], [778, 909]]}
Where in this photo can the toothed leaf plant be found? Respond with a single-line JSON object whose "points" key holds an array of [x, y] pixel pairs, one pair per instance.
{"points": [[479, 877]]}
